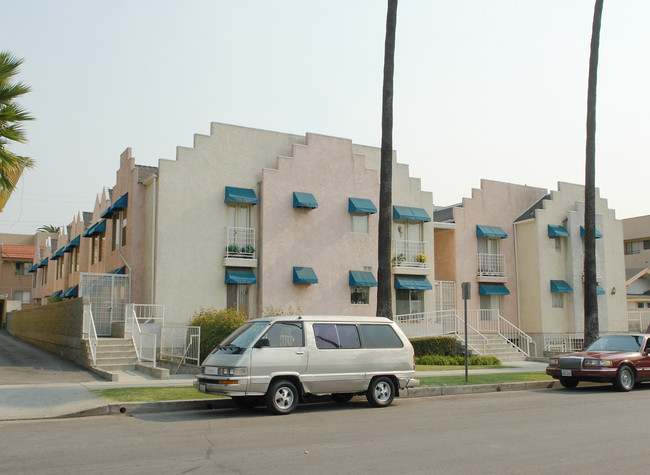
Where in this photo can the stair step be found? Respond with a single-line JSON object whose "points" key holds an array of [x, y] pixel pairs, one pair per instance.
{"points": [[117, 367], [102, 361]]}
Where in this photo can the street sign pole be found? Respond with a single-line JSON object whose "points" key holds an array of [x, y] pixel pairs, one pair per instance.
{"points": [[466, 295]]}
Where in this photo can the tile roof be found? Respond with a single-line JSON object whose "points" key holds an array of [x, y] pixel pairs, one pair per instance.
{"points": [[17, 251]]}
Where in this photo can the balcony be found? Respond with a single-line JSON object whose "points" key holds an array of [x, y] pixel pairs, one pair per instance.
{"points": [[240, 247], [411, 254], [491, 265]]}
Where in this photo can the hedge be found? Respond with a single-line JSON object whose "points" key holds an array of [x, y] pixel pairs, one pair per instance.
{"points": [[436, 345], [215, 326], [457, 360]]}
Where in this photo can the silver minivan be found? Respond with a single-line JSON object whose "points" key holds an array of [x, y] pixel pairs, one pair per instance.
{"points": [[278, 361]]}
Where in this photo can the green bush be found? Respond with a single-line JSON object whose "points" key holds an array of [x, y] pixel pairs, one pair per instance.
{"points": [[215, 326], [436, 345], [456, 360]]}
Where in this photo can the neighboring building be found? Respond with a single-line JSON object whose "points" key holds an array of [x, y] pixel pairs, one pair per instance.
{"points": [[636, 235], [550, 262]]}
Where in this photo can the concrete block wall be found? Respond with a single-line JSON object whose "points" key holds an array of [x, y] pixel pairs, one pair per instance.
{"points": [[57, 328]]}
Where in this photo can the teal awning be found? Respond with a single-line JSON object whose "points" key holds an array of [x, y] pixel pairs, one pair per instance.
{"points": [[32, 269], [557, 231], [71, 292], [600, 290], [95, 229], [361, 205], [362, 279], [58, 293], [74, 243], [119, 205], [240, 195], [304, 275], [492, 289], [43, 263], [598, 233], [240, 276], [413, 214], [490, 231], [412, 282], [560, 286], [304, 200], [57, 255], [119, 270]]}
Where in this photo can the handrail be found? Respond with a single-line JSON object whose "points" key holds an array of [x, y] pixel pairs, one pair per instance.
{"points": [[514, 335], [192, 337], [137, 334], [90, 332], [472, 335]]}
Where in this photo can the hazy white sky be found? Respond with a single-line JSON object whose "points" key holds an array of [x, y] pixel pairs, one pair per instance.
{"points": [[483, 88]]}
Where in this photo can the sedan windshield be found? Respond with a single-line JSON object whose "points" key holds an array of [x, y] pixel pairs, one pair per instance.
{"points": [[617, 343]]}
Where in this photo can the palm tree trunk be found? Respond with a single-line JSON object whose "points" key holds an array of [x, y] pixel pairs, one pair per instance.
{"points": [[590, 302], [384, 277]]}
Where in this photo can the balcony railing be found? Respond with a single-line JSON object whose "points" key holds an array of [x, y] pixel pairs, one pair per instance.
{"points": [[240, 243], [491, 265], [638, 320], [410, 254]]}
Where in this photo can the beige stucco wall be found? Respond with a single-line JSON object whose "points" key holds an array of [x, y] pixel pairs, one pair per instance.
{"points": [[192, 216], [445, 254], [539, 263], [494, 204], [637, 229]]}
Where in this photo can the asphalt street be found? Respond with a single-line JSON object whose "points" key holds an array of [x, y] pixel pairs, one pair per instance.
{"points": [[593, 430]]}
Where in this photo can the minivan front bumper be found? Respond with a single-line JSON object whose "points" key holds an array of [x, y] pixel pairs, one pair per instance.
{"points": [[224, 385]]}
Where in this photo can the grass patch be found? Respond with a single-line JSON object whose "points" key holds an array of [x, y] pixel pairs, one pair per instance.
{"points": [[493, 378], [147, 394], [434, 367]]}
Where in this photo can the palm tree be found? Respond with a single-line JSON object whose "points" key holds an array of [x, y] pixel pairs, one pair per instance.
{"points": [[11, 117], [384, 294], [49, 228], [590, 300]]}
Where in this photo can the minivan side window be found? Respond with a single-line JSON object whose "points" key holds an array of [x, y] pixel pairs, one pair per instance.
{"points": [[380, 336], [336, 336], [283, 334]]}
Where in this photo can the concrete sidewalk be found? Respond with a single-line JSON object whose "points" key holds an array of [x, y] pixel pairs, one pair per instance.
{"points": [[47, 401]]}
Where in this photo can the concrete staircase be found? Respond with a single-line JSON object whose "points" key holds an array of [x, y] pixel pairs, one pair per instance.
{"points": [[501, 348], [116, 354]]}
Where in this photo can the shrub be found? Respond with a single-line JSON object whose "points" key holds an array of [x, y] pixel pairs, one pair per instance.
{"points": [[216, 325], [456, 360], [436, 345]]}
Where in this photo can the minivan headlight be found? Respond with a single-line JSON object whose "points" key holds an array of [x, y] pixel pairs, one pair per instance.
{"points": [[598, 362], [226, 370]]}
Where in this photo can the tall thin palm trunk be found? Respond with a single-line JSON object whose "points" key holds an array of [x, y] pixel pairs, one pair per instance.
{"points": [[384, 294], [590, 299]]}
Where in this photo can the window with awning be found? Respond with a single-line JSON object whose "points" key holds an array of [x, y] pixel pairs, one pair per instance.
{"points": [[407, 282], [490, 231], [598, 233], [240, 276], [95, 229], [492, 289], [304, 275], [119, 205], [362, 279], [361, 205], [560, 286], [74, 243], [304, 200], [557, 231], [412, 214]]}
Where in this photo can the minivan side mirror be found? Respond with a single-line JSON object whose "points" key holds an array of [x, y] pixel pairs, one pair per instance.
{"points": [[262, 342]]}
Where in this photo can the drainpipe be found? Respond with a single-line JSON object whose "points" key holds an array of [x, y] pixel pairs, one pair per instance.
{"points": [[514, 229], [119, 250], [154, 221]]}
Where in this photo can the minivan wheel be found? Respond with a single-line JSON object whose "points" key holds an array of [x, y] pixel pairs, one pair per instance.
{"points": [[624, 379], [246, 402], [381, 392], [341, 397], [282, 397]]}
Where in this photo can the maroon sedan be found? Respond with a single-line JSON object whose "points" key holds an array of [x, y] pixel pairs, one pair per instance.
{"points": [[620, 359]]}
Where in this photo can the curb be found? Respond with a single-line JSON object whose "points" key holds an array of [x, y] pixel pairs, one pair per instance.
{"points": [[430, 391], [126, 408]]}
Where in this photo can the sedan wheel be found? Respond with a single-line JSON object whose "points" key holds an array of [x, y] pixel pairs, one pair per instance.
{"points": [[624, 379], [569, 383]]}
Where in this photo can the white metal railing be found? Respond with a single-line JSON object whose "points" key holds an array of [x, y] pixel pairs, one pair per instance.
{"points": [[145, 342], [564, 342], [240, 242], [638, 320], [490, 321], [475, 341], [416, 325], [411, 254], [181, 343], [149, 313], [89, 332], [491, 265]]}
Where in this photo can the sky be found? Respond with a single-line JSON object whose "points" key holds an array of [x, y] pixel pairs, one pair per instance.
{"points": [[483, 89]]}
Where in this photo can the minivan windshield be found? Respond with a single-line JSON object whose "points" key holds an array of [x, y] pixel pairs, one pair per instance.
{"points": [[241, 338], [617, 343]]}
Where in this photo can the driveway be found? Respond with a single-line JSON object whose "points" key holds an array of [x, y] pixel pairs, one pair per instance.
{"points": [[24, 363]]}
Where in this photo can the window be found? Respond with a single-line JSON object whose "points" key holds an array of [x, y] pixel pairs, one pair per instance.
{"points": [[59, 269], [407, 230], [43, 275], [25, 296], [488, 245], [115, 232], [239, 215], [640, 305], [635, 247], [491, 306], [409, 301], [380, 336], [336, 336], [359, 223], [21, 268], [360, 295], [93, 250], [100, 246], [558, 299], [283, 334], [123, 227], [556, 244], [237, 297], [646, 244], [73, 261]]}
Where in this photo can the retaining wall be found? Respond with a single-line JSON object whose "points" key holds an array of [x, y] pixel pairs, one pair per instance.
{"points": [[56, 327]]}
